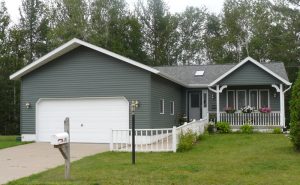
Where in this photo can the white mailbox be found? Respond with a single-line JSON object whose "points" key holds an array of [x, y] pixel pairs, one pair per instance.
{"points": [[60, 138]]}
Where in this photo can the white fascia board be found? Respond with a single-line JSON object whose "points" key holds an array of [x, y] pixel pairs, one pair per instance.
{"points": [[65, 48], [45, 59], [254, 62], [197, 85]]}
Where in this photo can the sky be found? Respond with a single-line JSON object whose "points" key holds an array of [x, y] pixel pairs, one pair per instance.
{"points": [[174, 5]]}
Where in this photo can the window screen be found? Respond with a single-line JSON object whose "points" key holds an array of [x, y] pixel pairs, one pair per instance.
{"points": [[205, 100], [253, 99], [264, 98], [172, 107], [162, 106], [241, 97], [230, 99]]}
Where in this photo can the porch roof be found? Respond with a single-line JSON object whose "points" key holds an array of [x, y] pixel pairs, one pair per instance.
{"points": [[186, 74]]}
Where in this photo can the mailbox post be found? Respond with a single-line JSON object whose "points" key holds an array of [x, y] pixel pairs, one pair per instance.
{"points": [[62, 142]]}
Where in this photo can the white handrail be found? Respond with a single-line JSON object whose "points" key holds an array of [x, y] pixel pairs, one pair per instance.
{"points": [[153, 140]]}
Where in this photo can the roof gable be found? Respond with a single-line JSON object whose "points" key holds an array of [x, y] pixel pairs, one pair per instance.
{"points": [[69, 46], [249, 59], [249, 74]]}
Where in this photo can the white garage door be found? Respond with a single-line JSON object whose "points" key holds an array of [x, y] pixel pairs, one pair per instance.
{"points": [[91, 119]]}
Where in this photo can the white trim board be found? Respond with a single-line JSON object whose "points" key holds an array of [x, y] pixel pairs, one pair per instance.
{"points": [[249, 59]]}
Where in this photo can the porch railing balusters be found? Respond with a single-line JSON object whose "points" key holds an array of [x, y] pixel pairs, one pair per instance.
{"points": [[254, 119]]}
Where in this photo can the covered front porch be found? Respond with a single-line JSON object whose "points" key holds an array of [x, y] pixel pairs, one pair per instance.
{"points": [[261, 106]]}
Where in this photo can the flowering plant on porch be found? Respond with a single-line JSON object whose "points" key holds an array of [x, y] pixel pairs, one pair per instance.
{"points": [[265, 110], [229, 110], [247, 109]]}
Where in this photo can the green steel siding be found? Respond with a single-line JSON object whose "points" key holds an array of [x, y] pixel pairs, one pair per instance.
{"points": [[169, 91], [85, 73], [249, 74]]}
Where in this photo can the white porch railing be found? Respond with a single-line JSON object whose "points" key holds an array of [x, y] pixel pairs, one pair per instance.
{"points": [[153, 140], [254, 119]]}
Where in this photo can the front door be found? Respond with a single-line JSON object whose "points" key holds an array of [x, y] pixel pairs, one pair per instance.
{"points": [[194, 105], [204, 103]]}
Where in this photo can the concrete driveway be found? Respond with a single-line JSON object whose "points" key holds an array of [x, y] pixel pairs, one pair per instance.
{"points": [[24, 160]]}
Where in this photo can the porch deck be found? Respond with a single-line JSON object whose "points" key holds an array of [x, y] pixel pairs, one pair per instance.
{"points": [[256, 119]]}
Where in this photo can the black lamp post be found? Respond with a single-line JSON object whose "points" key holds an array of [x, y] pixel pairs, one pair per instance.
{"points": [[134, 106]]}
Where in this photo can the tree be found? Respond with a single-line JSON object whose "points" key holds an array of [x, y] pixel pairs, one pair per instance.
{"points": [[159, 31], [34, 22], [191, 28], [69, 19], [120, 31], [295, 114]]}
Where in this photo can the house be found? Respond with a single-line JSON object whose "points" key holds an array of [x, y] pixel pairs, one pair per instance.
{"points": [[94, 87]]}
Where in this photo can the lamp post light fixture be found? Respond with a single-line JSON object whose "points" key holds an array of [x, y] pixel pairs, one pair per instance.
{"points": [[134, 105]]}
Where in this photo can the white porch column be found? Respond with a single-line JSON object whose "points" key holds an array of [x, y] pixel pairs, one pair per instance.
{"points": [[282, 108], [218, 102]]}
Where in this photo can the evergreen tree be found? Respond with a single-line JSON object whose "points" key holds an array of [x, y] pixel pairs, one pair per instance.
{"points": [[295, 113]]}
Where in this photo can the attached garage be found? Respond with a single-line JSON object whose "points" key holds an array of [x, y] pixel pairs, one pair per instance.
{"points": [[91, 119], [93, 87]]}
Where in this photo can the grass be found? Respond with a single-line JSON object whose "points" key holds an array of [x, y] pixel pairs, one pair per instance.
{"points": [[9, 141], [232, 159]]}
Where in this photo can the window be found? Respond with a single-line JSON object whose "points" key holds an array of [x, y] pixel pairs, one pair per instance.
{"points": [[253, 98], [195, 100], [199, 73], [264, 98], [172, 108], [204, 100], [241, 99], [162, 106], [230, 99]]}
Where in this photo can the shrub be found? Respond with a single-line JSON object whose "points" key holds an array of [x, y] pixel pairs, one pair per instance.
{"points": [[186, 141], [295, 114], [223, 127], [277, 131], [247, 129]]}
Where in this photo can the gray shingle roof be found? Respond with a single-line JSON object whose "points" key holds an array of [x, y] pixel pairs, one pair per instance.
{"points": [[186, 74]]}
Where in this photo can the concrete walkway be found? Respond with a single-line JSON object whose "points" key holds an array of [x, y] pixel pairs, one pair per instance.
{"points": [[24, 160]]}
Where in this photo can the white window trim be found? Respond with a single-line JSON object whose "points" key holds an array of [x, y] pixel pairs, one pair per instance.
{"points": [[257, 99], [260, 97], [237, 98], [233, 98], [172, 108], [163, 106]]}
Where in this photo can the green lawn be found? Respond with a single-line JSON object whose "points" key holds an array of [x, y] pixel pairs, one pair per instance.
{"points": [[9, 141], [233, 159]]}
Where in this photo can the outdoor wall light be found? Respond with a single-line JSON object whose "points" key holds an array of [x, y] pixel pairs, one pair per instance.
{"points": [[27, 105], [212, 96], [275, 95]]}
